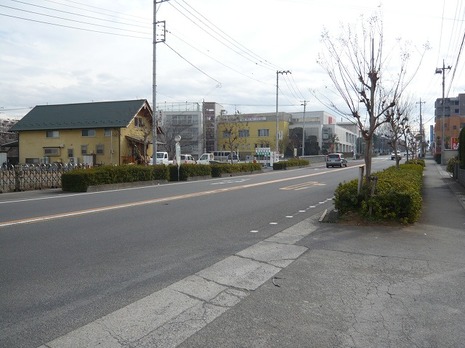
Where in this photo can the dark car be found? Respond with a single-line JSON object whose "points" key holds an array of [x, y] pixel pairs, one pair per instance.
{"points": [[335, 160]]}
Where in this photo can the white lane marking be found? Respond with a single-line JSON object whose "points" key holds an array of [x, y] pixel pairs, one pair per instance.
{"points": [[193, 302], [140, 203]]}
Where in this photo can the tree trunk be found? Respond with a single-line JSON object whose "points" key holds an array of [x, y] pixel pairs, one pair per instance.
{"points": [[368, 157]]}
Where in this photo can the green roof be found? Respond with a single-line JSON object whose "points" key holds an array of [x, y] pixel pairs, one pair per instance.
{"points": [[112, 114]]}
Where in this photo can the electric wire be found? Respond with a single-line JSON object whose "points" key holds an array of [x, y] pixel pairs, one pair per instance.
{"points": [[78, 14], [72, 27], [224, 41], [100, 9], [71, 20], [232, 40], [194, 66]]}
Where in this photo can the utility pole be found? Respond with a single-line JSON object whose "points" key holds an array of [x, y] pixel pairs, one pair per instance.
{"points": [[421, 131], [304, 103], [442, 71], [154, 82], [277, 120]]}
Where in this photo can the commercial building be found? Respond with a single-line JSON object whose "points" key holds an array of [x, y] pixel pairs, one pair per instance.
{"points": [[449, 120]]}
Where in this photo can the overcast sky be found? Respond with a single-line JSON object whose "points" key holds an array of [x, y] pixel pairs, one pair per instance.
{"points": [[72, 51]]}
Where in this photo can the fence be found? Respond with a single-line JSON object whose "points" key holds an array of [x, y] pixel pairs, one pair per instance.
{"points": [[32, 177]]}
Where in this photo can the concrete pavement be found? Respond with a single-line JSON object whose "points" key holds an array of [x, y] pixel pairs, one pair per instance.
{"points": [[367, 286], [315, 285]]}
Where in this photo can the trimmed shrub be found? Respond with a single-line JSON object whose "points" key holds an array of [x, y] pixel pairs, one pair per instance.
{"points": [[187, 171], [292, 162], [451, 164], [219, 169], [80, 179], [397, 195]]}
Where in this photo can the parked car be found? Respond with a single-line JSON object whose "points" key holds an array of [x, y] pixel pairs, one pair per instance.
{"points": [[185, 159], [335, 160], [162, 158], [206, 158], [393, 156]]}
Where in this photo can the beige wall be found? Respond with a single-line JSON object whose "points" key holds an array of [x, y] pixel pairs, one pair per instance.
{"points": [[247, 145], [116, 148]]}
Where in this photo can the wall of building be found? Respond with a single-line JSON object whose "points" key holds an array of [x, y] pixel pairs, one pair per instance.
{"points": [[260, 130], [452, 127]]}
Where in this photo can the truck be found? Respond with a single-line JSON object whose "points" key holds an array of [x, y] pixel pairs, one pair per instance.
{"points": [[162, 158]]}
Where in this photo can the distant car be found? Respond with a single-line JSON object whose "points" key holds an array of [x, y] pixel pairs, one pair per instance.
{"points": [[393, 156], [335, 160], [185, 159]]}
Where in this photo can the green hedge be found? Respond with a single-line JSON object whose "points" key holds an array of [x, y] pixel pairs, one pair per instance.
{"points": [[226, 168], [293, 162], [80, 179], [189, 170], [397, 195]]}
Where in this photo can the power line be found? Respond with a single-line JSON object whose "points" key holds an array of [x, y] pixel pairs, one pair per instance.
{"points": [[67, 19], [77, 14], [222, 39], [71, 27], [203, 72], [109, 12]]}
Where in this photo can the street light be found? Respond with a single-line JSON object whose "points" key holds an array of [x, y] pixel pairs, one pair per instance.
{"points": [[442, 71], [277, 121]]}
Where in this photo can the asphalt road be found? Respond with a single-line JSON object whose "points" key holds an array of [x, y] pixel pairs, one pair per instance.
{"points": [[69, 259]]}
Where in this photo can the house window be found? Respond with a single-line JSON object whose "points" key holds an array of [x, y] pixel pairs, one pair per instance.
{"points": [[88, 132], [51, 151], [226, 134], [83, 149], [100, 149], [139, 122], [52, 134], [243, 133], [107, 132], [70, 152], [263, 132]]}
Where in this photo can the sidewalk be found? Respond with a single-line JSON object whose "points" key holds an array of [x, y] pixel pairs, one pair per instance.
{"points": [[364, 286], [314, 285]]}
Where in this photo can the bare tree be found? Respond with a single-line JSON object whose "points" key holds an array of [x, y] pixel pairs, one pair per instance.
{"points": [[398, 119], [359, 72], [231, 127]]}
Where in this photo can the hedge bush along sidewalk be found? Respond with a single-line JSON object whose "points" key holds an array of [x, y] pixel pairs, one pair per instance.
{"points": [[80, 180], [395, 197]]}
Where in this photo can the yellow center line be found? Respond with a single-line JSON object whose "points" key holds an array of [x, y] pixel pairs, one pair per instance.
{"points": [[147, 202]]}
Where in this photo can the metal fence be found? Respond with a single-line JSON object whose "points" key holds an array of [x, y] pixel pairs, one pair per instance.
{"points": [[32, 176]]}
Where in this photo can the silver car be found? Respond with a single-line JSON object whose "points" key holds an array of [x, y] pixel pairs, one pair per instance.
{"points": [[335, 160]]}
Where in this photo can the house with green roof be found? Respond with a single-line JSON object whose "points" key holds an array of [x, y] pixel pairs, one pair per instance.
{"points": [[98, 133]]}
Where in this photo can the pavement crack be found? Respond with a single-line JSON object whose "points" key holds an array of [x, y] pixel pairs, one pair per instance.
{"points": [[268, 262]]}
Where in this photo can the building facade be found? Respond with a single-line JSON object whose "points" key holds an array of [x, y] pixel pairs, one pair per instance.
{"points": [[449, 120], [247, 132], [91, 133]]}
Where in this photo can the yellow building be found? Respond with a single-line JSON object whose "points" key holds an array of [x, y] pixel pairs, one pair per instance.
{"points": [[116, 132], [244, 133]]}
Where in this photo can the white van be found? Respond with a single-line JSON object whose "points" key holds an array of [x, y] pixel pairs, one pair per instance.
{"points": [[185, 159], [162, 158], [205, 158]]}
